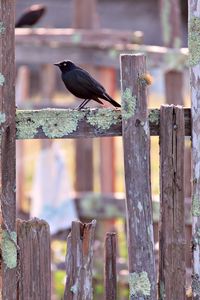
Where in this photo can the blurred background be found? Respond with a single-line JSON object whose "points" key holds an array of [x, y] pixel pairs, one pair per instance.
{"points": [[64, 180]]}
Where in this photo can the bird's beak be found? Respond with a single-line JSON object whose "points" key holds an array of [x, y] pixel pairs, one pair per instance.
{"points": [[57, 64]]}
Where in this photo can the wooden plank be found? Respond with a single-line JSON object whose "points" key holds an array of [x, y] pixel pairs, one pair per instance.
{"points": [[84, 165], [174, 87], [8, 284], [100, 54], [76, 36], [110, 273], [79, 261], [34, 260], [136, 144], [107, 77], [194, 62], [69, 123], [21, 95], [85, 14], [100, 207], [170, 16], [47, 82], [172, 274]]}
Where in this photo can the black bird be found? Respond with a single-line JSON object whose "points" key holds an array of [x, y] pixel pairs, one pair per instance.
{"points": [[82, 85], [31, 16]]}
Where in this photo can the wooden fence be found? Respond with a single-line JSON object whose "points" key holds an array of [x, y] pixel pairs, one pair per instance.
{"points": [[25, 245]]}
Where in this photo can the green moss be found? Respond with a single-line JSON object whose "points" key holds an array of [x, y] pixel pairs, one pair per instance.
{"points": [[165, 19], [196, 206], [194, 41], [2, 118], [54, 123], [9, 251], [139, 284], [103, 118], [2, 28], [129, 102], [2, 79], [154, 116]]}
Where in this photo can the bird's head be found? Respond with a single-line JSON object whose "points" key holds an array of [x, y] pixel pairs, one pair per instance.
{"points": [[65, 66]]}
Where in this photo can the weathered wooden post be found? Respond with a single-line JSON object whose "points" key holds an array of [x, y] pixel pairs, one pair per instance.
{"points": [[172, 269], [8, 237], [84, 12], [136, 141], [34, 266], [170, 15], [107, 145], [79, 262], [22, 94], [110, 273], [194, 61]]}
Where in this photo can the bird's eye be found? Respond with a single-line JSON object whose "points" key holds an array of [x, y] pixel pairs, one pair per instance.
{"points": [[65, 64]]}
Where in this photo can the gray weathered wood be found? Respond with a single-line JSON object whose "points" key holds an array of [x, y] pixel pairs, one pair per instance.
{"points": [[172, 270], [84, 165], [84, 17], [171, 23], [110, 273], [136, 143], [79, 262], [34, 267], [85, 14], [194, 61], [69, 123], [78, 36], [21, 95], [107, 145], [8, 282], [39, 47]]}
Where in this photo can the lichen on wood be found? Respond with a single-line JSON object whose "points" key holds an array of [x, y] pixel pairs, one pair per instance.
{"points": [[103, 118], [194, 41], [2, 79], [195, 206], [9, 250], [129, 102], [154, 116], [2, 28], [139, 284], [54, 123], [2, 118]]}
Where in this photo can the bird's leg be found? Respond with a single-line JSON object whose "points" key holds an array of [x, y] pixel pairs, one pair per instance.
{"points": [[83, 104]]}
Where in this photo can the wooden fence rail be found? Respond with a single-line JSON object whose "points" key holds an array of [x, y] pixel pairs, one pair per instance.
{"points": [[69, 123]]}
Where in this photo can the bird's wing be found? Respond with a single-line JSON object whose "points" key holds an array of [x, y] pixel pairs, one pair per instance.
{"points": [[85, 79]]}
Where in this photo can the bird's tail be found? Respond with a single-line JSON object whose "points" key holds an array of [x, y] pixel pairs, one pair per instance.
{"points": [[112, 101]]}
